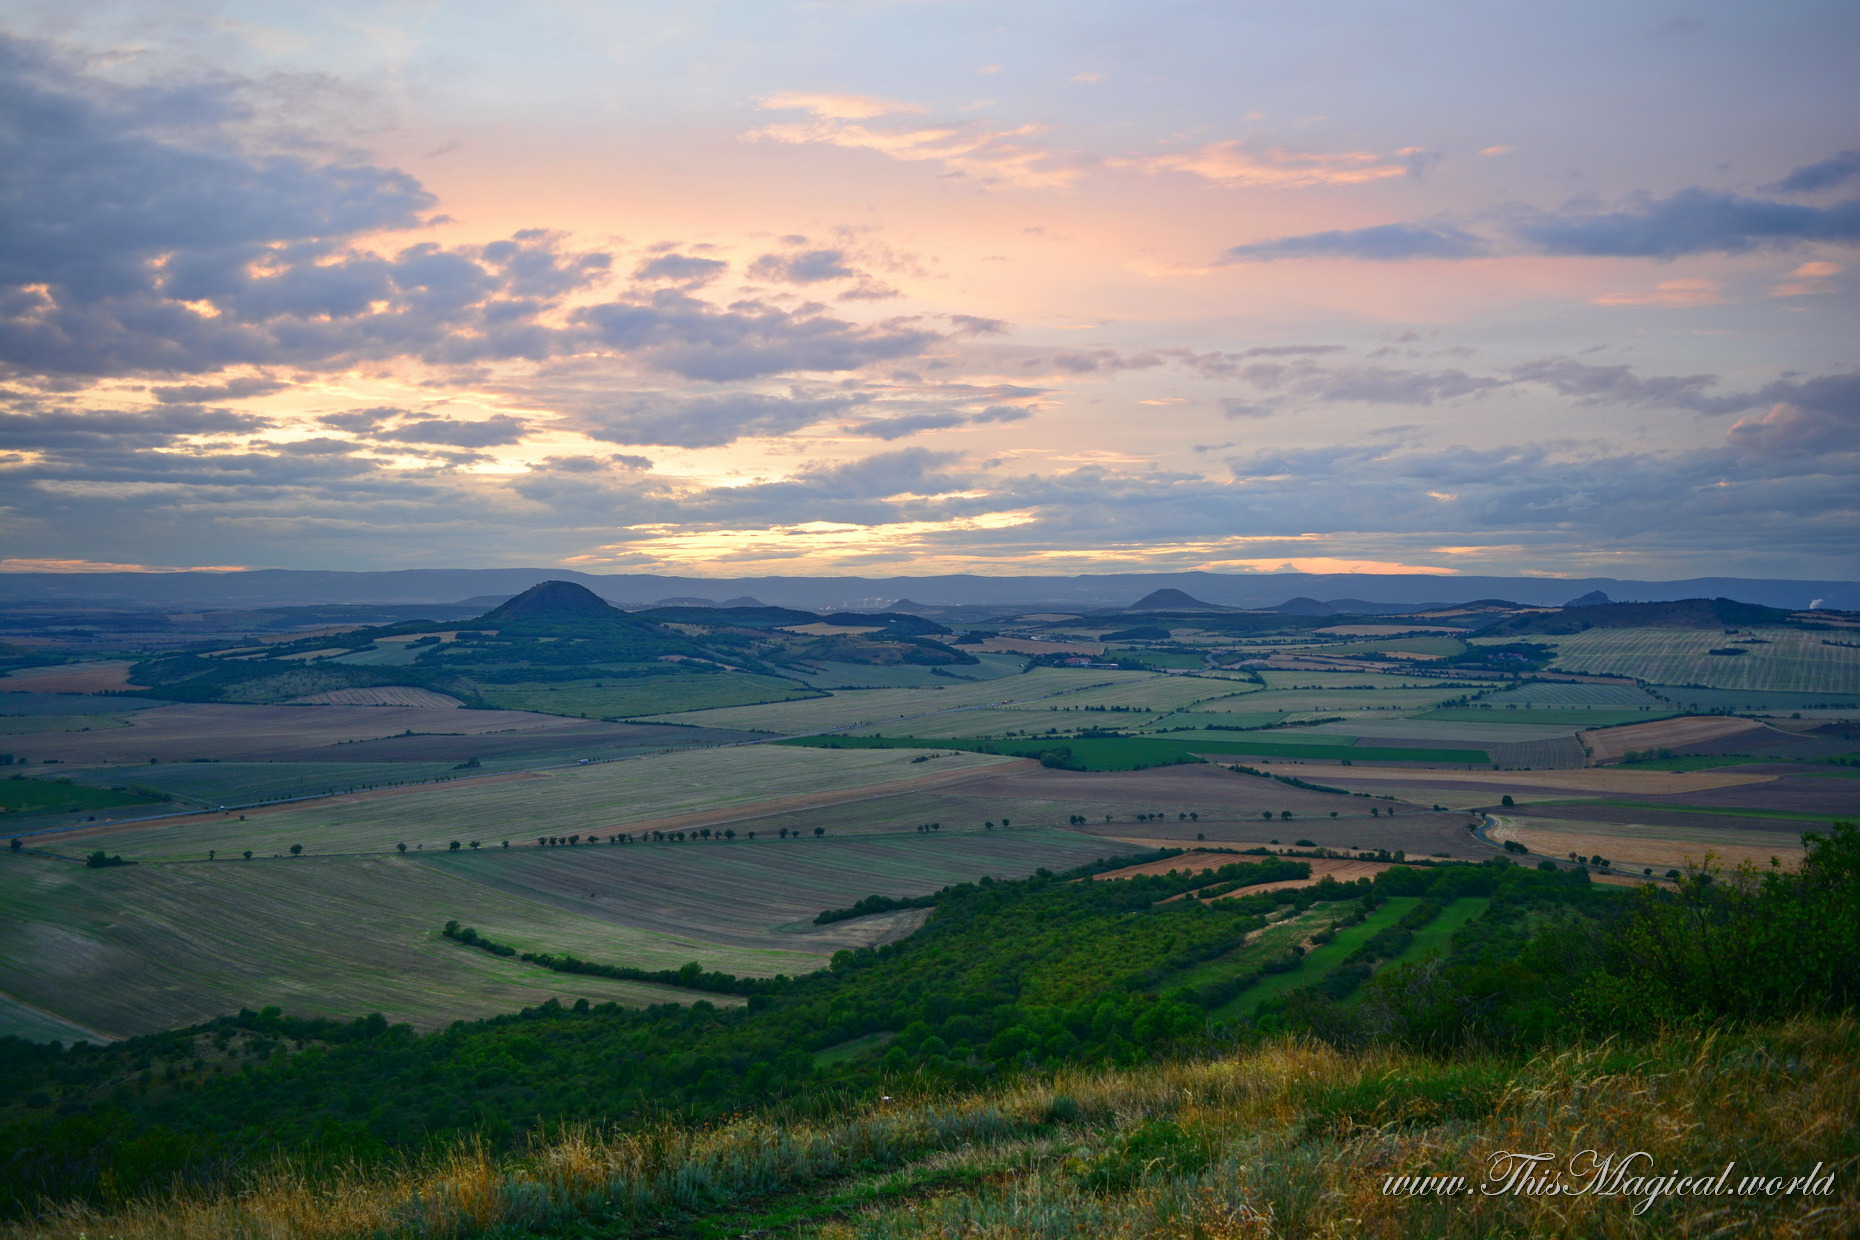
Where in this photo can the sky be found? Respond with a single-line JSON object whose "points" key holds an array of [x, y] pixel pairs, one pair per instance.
{"points": [[876, 287]]}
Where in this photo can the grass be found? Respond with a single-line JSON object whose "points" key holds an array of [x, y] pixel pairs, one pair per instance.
{"points": [[652, 695], [23, 796], [1286, 1139], [143, 948], [850, 708], [1791, 661], [600, 797], [1437, 934], [1265, 945], [1320, 960]]}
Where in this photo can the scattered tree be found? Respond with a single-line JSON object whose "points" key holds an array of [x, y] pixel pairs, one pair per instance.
{"points": [[453, 846], [1506, 801], [297, 850], [403, 847], [248, 854], [819, 831], [474, 843], [16, 843]]}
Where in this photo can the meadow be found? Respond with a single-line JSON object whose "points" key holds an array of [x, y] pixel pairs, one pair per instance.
{"points": [[1789, 660], [600, 797]]}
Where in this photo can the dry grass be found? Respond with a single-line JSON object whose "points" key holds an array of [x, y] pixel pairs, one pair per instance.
{"points": [[1291, 1140], [1636, 846], [379, 695], [71, 678]]}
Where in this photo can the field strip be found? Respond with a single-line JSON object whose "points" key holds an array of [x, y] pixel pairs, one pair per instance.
{"points": [[819, 800], [17, 1017], [1611, 743], [1635, 847], [1589, 779]]}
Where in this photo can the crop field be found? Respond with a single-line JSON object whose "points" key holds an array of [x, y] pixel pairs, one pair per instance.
{"points": [[240, 783], [381, 695], [1634, 847], [20, 796], [1288, 678], [1323, 700], [1226, 718], [1428, 729], [140, 948], [909, 675], [604, 798], [1565, 718], [880, 706], [228, 731], [1158, 693], [70, 678], [35, 725], [1563, 693], [649, 695], [1596, 781], [1612, 744], [38, 704], [1791, 660], [1758, 700], [1431, 646], [762, 894], [998, 721]]}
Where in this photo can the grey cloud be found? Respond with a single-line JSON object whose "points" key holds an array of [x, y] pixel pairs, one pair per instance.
{"points": [[488, 432], [807, 267], [1812, 178], [1692, 221], [1233, 408], [908, 424], [972, 325], [699, 341], [1379, 242], [706, 421], [358, 420], [1367, 384], [67, 429], [1001, 413], [681, 267], [232, 389], [1592, 385]]}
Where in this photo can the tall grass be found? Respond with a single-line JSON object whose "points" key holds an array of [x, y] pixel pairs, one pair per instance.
{"points": [[1291, 1139]]}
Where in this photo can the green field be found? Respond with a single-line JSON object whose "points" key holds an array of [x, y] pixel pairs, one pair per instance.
{"points": [[1279, 679], [147, 947], [1437, 934], [1791, 661], [1332, 700], [21, 796], [649, 695], [1263, 945], [1551, 716], [1320, 960], [853, 707], [602, 797], [910, 675], [35, 725], [241, 783], [1435, 646]]}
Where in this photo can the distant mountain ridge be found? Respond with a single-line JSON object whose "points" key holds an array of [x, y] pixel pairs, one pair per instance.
{"points": [[286, 587]]}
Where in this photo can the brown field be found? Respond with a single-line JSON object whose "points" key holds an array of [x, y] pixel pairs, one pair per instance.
{"points": [[1384, 630], [380, 695], [1321, 868], [232, 732], [1611, 744], [1637, 846], [1589, 780], [72, 678], [1188, 862], [1794, 791]]}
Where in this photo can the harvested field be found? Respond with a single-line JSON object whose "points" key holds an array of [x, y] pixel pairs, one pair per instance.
{"points": [[1634, 847], [1792, 790], [671, 791], [71, 678], [1015, 645], [137, 949], [1612, 744], [1383, 630], [228, 731], [1429, 728], [40, 705], [853, 707], [1565, 718], [613, 698], [1683, 818], [1321, 869], [763, 894], [383, 695], [1590, 779], [1555, 694], [1187, 863], [1417, 831]]}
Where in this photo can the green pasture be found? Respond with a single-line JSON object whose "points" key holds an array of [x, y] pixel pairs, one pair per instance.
{"points": [[599, 698], [20, 796]]}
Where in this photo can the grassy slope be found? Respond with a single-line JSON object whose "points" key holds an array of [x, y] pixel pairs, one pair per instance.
{"points": [[142, 948], [575, 800], [1438, 933], [1288, 1139]]}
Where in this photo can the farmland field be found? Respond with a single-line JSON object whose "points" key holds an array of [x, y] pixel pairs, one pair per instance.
{"points": [[909, 675], [1322, 959], [1137, 752], [1791, 660], [1285, 678], [610, 698], [1432, 646], [1343, 698], [878, 706], [34, 725], [1158, 693], [1638, 846], [21, 796], [762, 895], [1611, 744], [131, 950], [37, 704], [1436, 935], [1428, 729], [1562, 693], [995, 721], [1565, 717], [1757, 699], [604, 797]]}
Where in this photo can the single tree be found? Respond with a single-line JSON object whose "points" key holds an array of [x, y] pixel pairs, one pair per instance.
{"points": [[474, 843], [819, 831], [212, 853], [297, 850], [403, 847], [16, 843], [453, 846], [729, 834], [248, 854]]}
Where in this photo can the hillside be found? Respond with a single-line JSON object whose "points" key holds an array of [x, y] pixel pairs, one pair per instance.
{"points": [[1691, 613]]}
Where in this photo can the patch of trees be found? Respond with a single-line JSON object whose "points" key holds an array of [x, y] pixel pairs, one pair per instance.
{"points": [[693, 976]]}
